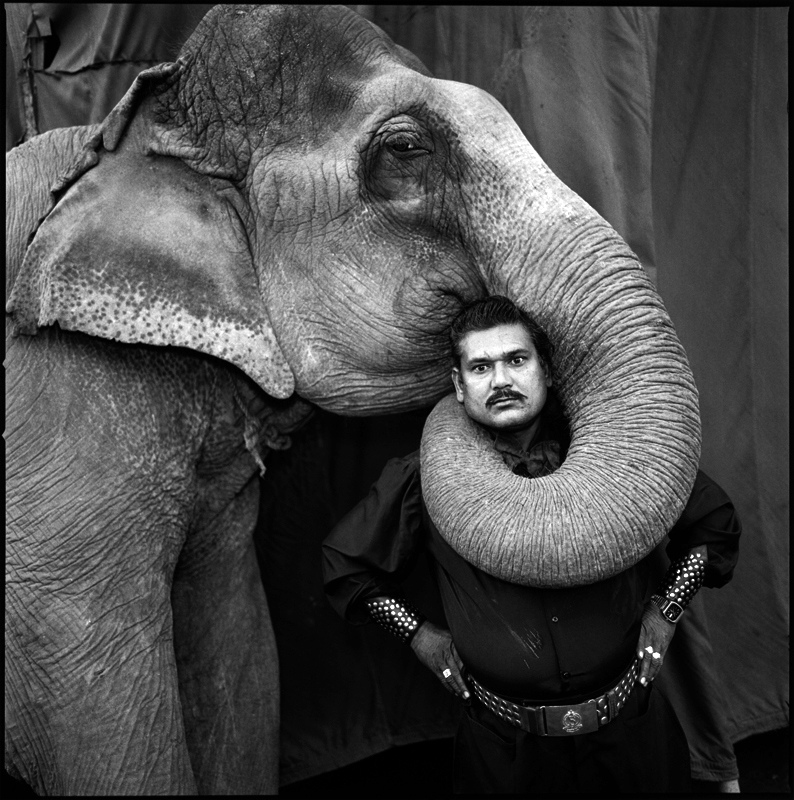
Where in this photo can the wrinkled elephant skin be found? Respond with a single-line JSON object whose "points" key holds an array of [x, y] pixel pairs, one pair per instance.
{"points": [[292, 211]]}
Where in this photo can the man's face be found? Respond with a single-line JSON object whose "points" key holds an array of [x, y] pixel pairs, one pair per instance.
{"points": [[501, 381]]}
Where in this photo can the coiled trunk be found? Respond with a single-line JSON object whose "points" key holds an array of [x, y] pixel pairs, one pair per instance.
{"points": [[623, 379]]}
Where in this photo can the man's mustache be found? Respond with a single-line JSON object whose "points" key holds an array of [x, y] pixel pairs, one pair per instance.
{"points": [[503, 394]]}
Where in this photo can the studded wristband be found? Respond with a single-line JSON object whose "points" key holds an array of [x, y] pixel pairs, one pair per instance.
{"points": [[396, 616], [680, 585]]}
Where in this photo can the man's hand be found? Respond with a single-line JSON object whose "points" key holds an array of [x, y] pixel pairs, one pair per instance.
{"points": [[655, 638], [435, 649]]}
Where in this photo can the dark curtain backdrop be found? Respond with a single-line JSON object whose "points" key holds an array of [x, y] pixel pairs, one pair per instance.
{"points": [[672, 123]]}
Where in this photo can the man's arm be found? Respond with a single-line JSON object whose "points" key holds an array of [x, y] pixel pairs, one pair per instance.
{"points": [[680, 584], [432, 645], [374, 545], [704, 548], [368, 552]]}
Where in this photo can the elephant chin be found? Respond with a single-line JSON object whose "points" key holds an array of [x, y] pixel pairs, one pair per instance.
{"points": [[368, 397], [354, 386]]}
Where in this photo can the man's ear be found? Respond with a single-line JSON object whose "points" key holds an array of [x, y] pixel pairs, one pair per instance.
{"points": [[547, 373], [457, 380], [142, 249]]}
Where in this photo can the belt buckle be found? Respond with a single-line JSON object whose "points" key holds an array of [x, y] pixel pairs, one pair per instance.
{"points": [[567, 720]]}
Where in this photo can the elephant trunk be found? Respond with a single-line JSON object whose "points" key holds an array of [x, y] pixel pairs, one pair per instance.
{"points": [[622, 377]]}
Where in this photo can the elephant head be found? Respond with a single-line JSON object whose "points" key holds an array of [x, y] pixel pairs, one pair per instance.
{"points": [[297, 196]]}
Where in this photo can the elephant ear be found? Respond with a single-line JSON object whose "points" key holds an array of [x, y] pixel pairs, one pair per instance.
{"points": [[142, 249]]}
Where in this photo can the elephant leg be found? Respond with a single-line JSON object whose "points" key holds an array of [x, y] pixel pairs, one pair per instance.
{"points": [[97, 512], [226, 652], [92, 695]]}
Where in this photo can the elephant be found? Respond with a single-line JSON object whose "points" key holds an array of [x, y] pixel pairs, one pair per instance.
{"points": [[288, 216]]}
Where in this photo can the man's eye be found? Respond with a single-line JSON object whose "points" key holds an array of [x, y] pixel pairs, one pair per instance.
{"points": [[518, 360], [480, 368]]}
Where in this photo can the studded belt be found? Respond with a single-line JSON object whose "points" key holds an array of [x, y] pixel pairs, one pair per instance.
{"points": [[561, 720]]}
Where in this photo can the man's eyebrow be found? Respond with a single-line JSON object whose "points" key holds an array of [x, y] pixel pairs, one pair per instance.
{"points": [[519, 351]]}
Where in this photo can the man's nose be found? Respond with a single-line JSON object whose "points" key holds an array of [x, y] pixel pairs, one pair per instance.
{"points": [[501, 376]]}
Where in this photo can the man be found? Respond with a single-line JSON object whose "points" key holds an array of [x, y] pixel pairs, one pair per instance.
{"points": [[557, 684]]}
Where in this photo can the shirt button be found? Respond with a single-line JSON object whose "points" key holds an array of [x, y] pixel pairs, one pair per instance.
{"points": [[555, 619], [566, 676]]}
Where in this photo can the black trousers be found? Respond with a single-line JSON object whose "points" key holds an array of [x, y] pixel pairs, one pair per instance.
{"points": [[643, 750]]}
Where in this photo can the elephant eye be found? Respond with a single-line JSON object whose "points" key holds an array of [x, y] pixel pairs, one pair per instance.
{"points": [[396, 164], [405, 145]]}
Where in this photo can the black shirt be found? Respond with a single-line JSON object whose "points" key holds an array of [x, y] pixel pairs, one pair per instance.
{"points": [[522, 642]]}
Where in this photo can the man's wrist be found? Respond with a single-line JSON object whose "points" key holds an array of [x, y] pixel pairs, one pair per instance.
{"points": [[669, 609], [679, 586], [396, 615]]}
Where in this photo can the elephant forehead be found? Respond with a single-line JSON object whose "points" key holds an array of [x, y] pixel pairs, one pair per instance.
{"points": [[250, 63]]}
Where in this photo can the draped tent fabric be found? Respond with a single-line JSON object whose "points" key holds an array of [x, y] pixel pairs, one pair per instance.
{"points": [[80, 58], [720, 212], [672, 124]]}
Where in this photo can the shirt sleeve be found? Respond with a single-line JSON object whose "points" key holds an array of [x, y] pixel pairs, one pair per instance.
{"points": [[708, 518], [373, 546]]}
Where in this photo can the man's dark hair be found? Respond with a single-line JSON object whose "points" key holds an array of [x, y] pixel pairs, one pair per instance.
{"points": [[490, 312]]}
